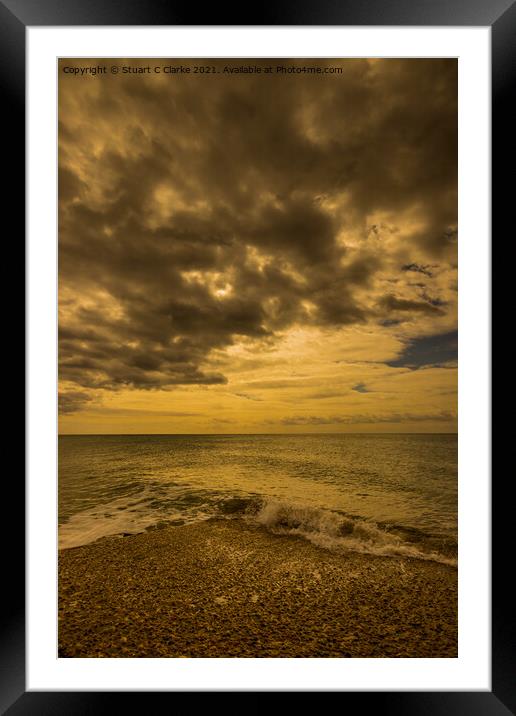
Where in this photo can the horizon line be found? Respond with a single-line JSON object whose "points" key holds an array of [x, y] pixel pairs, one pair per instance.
{"points": [[372, 432]]}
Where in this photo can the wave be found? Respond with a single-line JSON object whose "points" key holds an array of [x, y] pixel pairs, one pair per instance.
{"points": [[338, 532], [329, 529]]}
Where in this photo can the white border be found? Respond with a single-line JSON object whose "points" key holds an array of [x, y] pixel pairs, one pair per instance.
{"points": [[471, 670]]}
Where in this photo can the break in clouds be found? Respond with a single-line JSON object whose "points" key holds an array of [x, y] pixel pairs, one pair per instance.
{"points": [[197, 212]]}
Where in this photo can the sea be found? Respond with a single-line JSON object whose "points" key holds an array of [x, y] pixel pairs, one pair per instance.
{"points": [[383, 494]]}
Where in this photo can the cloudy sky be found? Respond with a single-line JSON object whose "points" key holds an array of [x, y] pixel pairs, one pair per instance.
{"points": [[258, 253]]}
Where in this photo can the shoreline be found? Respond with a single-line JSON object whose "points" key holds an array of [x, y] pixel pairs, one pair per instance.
{"points": [[225, 588]]}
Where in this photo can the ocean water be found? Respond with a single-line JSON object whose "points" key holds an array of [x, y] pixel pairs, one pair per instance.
{"points": [[382, 494]]}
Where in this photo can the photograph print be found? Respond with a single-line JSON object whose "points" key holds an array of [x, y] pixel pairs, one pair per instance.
{"points": [[257, 452]]}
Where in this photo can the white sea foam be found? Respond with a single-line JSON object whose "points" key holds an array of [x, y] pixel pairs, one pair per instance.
{"points": [[338, 533], [325, 528], [90, 525], [122, 516]]}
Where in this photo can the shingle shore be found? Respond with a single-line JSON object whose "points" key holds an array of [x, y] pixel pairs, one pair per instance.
{"points": [[224, 588]]}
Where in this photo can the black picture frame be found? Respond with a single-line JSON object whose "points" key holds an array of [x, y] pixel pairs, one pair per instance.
{"points": [[500, 16]]}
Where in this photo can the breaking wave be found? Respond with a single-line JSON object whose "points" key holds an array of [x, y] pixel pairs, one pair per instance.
{"points": [[338, 532], [329, 529]]}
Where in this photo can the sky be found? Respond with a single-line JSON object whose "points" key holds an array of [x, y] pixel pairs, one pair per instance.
{"points": [[258, 253]]}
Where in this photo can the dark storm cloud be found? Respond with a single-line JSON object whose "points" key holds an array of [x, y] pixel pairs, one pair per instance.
{"points": [[429, 350], [187, 185], [73, 400]]}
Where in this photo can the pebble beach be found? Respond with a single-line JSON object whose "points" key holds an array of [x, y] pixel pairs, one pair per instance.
{"points": [[227, 588]]}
